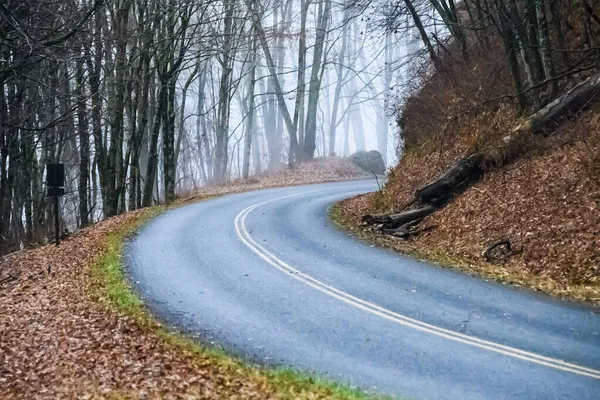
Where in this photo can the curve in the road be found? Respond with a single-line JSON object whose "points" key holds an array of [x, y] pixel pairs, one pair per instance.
{"points": [[266, 275], [246, 238]]}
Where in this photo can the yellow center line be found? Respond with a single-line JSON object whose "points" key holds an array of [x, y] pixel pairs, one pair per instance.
{"points": [[270, 258]]}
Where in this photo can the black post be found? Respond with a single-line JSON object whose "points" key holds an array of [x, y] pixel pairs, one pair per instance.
{"points": [[56, 220], [55, 179]]}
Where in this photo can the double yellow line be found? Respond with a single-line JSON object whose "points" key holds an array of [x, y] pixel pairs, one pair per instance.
{"points": [[270, 258]]}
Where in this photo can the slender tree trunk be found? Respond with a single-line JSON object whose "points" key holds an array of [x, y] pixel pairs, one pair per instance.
{"points": [[115, 162], [151, 169], [333, 123], [558, 25], [510, 48], [291, 127], [315, 82], [294, 155], [4, 182], [419, 25], [250, 116], [591, 39], [545, 45], [94, 67], [271, 130], [201, 132], [141, 128], [84, 143], [169, 143], [222, 142], [382, 119]]}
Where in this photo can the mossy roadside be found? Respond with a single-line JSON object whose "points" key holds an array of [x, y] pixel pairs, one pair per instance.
{"points": [[109, 286]]}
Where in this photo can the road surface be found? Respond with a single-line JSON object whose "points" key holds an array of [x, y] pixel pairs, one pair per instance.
{"points": [[266, 275]]}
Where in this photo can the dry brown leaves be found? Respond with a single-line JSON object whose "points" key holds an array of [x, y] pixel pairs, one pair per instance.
{"points": [[56, 342], [547, 203]]}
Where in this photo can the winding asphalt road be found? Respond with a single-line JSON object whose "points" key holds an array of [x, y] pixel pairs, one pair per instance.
{"points": [[266, 275]]}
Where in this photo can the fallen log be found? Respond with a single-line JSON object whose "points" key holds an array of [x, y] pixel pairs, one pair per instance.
{"points": [[392, 221], [406, 232], [465, 170], [468, 170], [571, 102], [403, 231], [372, 219]]}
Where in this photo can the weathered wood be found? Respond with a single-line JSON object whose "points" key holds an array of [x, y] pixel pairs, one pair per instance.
{"points": [[468, 170], [464, 170], [391, 221], [406, 232], [403, 231], [572, 101], [372, 219]]}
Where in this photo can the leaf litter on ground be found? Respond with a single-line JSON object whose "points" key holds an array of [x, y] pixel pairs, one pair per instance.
{"points": [[65, 331]]}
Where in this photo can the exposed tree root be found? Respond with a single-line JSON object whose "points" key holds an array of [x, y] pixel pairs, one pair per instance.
{"points": [[491, 254]]}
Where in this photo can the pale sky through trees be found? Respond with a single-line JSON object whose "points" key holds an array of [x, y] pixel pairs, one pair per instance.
{"points": [[365, 97], [142, 100]]}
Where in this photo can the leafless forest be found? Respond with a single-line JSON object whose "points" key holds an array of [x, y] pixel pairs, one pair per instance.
{"points": [[145, 99]]}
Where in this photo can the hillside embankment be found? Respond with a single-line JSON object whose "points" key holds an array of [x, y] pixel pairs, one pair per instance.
{"points": [[546, 203], [501, 184]]}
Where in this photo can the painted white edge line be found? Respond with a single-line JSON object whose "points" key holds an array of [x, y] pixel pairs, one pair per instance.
{"points": [[244, 235]]}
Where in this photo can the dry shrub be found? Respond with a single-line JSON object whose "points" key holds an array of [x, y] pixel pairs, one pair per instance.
{"points": [[451, 97]]}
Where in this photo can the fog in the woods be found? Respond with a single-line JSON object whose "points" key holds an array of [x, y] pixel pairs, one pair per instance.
{"points": [[361, 72], [143, 100]]}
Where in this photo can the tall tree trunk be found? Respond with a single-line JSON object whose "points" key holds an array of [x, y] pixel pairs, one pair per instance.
{"points": [[291, 127], [447, 11], [545, 45], [315, 82], [333, 122], [169, 143], [222, 142], [4, 182], [115, 162], [271, 130], [151, 168], [294, 154], [84, 143], [250, 116], [94, 67], [510, 48], [201, 132], [419, 25], [141, 130], [382, 119], [591, 38]]}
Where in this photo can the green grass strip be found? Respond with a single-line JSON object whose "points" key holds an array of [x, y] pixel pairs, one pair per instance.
{"points": [[111, 287]]}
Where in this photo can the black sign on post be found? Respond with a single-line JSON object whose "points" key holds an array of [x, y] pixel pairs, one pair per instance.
{"points": [[55, 175], [55, 179]]}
